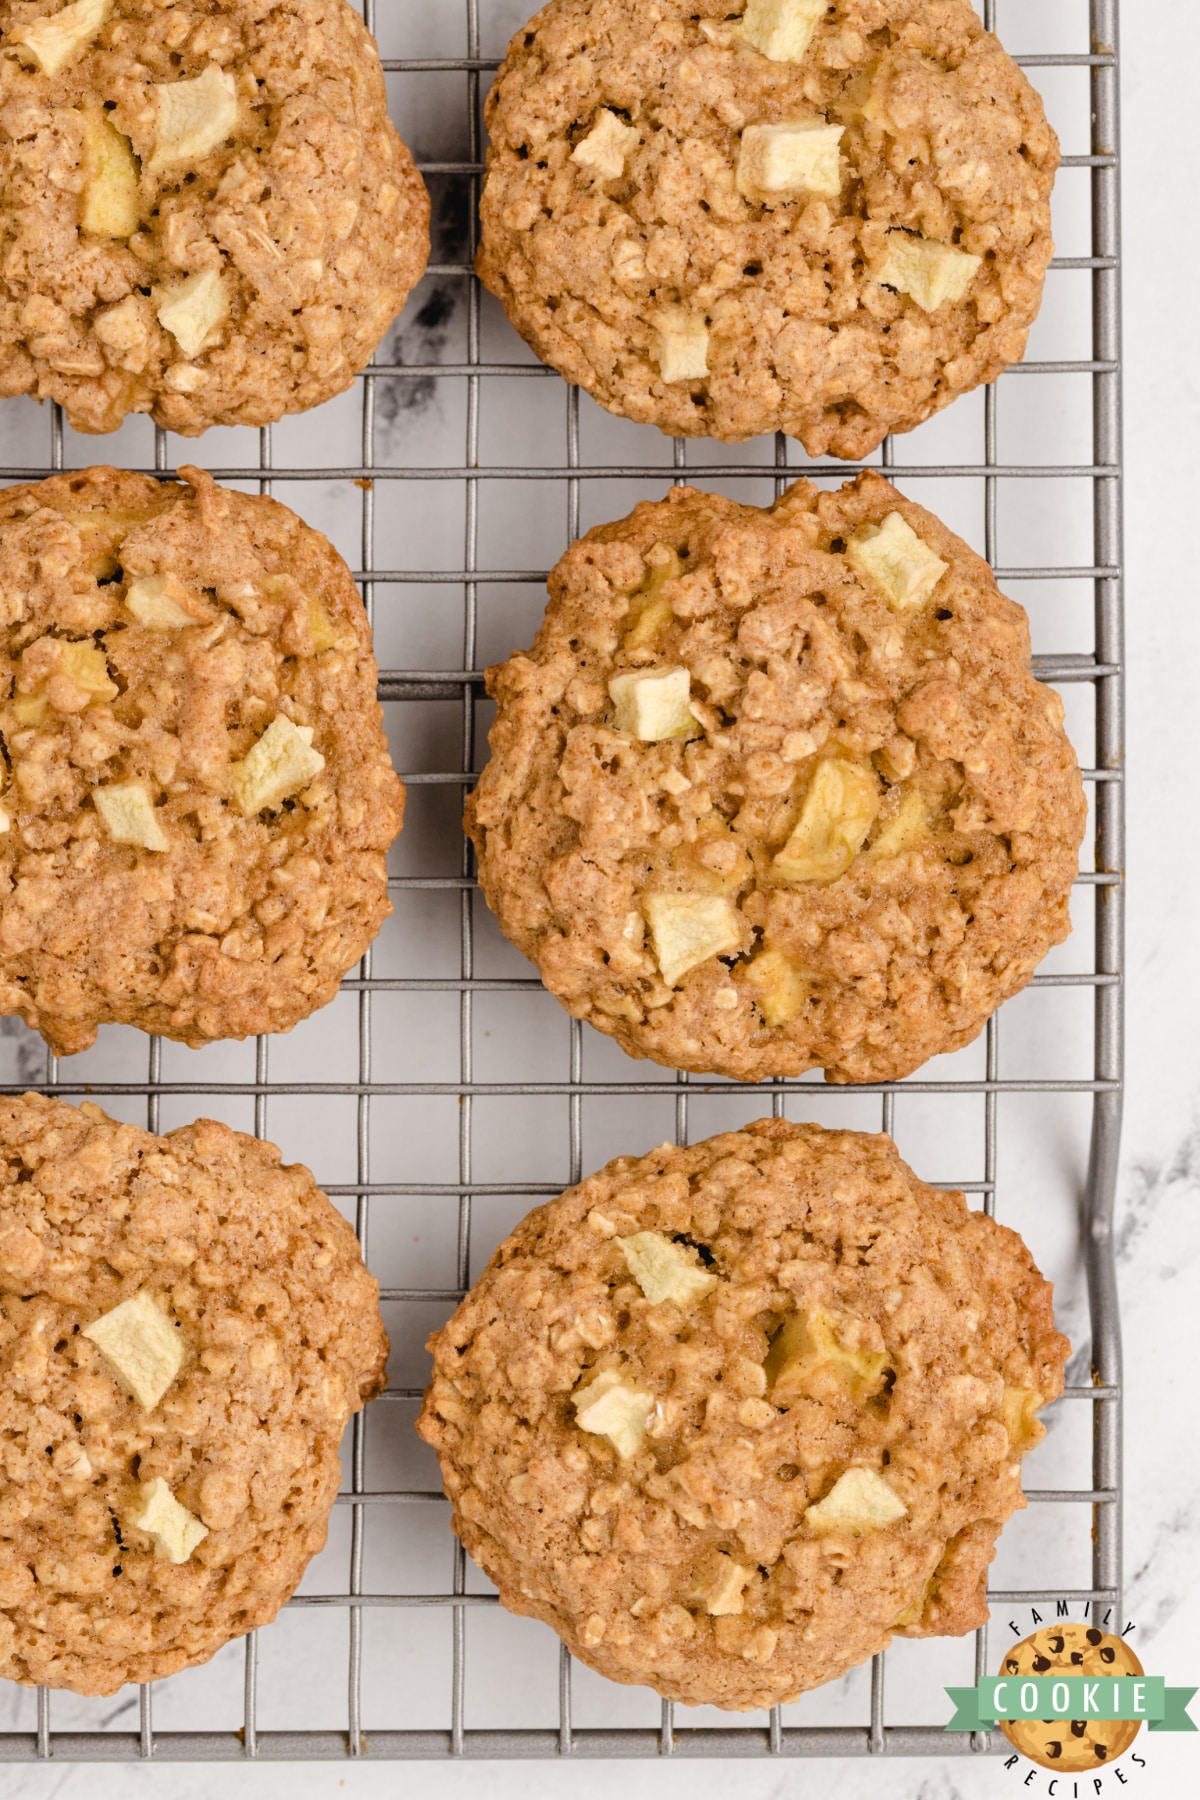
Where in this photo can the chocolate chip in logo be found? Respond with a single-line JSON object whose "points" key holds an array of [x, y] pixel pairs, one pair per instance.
{"points": [[1094, 1636], [1054, 1749], [1057, 1644], [1040, 1664], [1078, 1727], [1013, 1666], [1108, 1654], [1101, 1750], [1077, 1656]]}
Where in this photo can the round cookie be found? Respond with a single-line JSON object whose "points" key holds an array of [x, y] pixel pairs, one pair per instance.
{"points": [[726, 1417], [185, 1328], [197, 802], [1072, 1745], [207, 214], [776, 789], [726, 218]]}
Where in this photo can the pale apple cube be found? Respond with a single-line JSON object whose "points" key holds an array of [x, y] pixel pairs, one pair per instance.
{"points": [[281, 764], [653, 704], [681, 347], [907, 829], [194, 309], [1021, 1422], [86, 667], [665, 1270], [163, 603], [779, 162], [899, 562], [606, 147], [614, 1408], [859, 1501], [175, 1531], [56, 41], [109, 207], [724, 1594], [143, 1346], [689, 929], [194, 118], [929, 273], [840, 807], [129, 816], [782, 29], [779, 988]]}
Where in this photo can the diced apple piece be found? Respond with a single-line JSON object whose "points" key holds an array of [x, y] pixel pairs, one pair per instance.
{"points": [[58, 40], [777, 163], [30, 709], [782, 29], [175, 1531], [928, 272], [907, 829], [779, 987], [840, 807], [281, 764], [143, 1346], [320, 627], [807, 1353], [1021, 1422], [665, 1270], [109, 207], [650, 611], [723, 1589], [606, 147], [194, 309], [899, 562], [613, 1408], [194, 117], [163, 603], [129, 816], [681, 349], [654, 704], [689, 929], [859, 1501]]}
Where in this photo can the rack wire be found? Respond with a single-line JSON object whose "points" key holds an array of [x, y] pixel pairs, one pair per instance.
{"points": [[365, 1730]]}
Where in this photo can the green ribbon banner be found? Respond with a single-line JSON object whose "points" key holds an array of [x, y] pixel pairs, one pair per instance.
{"points": [[1009, 1698]]}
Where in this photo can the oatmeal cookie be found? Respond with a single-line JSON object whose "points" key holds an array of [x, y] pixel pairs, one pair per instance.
{"points": [[726, 217], [727, 1417], [207, 213], [1072, 1745], [196, 801], [776, 789], [185, 1328]]}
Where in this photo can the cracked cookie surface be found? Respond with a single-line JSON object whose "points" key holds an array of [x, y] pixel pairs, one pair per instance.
{"points": [[208, 215], [729, 219], [776, 790], [198, 799], [141, 1530], [727, 1417]]}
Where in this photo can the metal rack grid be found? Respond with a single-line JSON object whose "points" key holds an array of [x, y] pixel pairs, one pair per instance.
{"points": [[1102, 668]]}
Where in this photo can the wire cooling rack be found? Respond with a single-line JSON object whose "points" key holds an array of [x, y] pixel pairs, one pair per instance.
{"points": [[443, 1094]]}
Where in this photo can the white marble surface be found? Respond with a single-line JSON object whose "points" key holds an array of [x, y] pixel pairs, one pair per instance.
{"points": [[1160, 1231]]}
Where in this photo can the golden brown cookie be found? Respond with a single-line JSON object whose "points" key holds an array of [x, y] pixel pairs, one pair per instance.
{"points": [[777, 789], [185, 1328], [197, 801], [207, 214], [726, 217], [1072, 1745], [727, 1417]]}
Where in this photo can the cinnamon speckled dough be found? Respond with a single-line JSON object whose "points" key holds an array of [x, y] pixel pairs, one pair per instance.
{"points": [[260, 1280], [895, 947], [841, 1328], [278, 184], [591, 254], [227, 899]]}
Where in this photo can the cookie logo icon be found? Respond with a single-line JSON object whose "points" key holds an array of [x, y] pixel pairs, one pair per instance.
{"points": [[1071, 1745]]}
